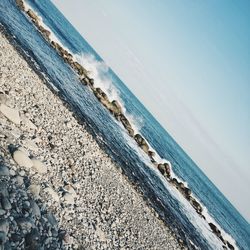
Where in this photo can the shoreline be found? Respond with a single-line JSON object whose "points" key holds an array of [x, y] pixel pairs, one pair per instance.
{"points": [[62, 196], [116, 110]]}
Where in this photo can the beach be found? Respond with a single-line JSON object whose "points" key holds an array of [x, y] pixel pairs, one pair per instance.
{"points": [[58, 165]]}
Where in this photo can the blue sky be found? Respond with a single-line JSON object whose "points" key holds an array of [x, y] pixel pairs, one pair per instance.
{"points": [[189, 64]]}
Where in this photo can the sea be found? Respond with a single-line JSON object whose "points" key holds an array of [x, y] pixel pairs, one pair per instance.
{"points": [[171, 206]]}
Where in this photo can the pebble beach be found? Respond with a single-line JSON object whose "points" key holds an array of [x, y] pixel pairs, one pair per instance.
{"points": [[59, 189]]}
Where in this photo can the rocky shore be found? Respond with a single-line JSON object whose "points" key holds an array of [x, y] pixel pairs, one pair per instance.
{"points": [[58, 189], [116, 110]]}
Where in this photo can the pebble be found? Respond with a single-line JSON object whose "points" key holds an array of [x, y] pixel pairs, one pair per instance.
{"points": [[5, 203], [35, 190], [52, 193], [39, 166], [69, 198], [22, 159], [24, 223], [4, 171], [4, 226], [3, 98], [11, 114]]}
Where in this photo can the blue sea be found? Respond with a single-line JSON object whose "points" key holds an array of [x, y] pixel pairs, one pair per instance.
{"points": [[166, 200]]}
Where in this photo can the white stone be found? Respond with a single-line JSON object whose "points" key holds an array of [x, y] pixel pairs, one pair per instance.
{"points": [[71, 190], [28, 123], [100, 234], [11, 114], [69, 198], [39, 166], [3, 98], [52, 193], [34, 190], [22, 159]]}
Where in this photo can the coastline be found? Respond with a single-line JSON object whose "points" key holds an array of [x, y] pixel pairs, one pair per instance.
{"points": [[79, 184], [115, 108]]}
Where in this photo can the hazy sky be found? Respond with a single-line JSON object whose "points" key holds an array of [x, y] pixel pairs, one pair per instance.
{"points": [[189, 64]]}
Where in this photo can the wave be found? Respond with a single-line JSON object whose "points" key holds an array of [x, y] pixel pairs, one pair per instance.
{"points": [[98, 70]]}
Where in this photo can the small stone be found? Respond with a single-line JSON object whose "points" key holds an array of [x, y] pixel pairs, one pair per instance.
{"points": [[11, 114], [24, 223], [4, 171], [39, 166], [52, 193], [22, 159], [19, 180], [3, 189], [3, 238], [35, 190], [12, 172], [2, 212], [32, 240], [4, 226], [51, 219], [68, 198], [35, 209], [5, 203], [3, 98]]}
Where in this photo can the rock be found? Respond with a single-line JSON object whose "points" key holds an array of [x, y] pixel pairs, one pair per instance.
{"points": [[19, 180], [100, 234], [51, 219], [126, 124], [3, 189], [22, 159], [230, 246], [32, 240], [24, 223], [187, 191], [5, 203], [167, 169], [4, 226], [28, 123], [3, 238], [33, 17], [11, 114], [151, 154], [52, 193], [34, 190], [141, 142], [2, 212], [69, 198], [39, 166], [35, 209], [3, 98], [4, 171], [20, 4], [116, 107], [161, 168]]}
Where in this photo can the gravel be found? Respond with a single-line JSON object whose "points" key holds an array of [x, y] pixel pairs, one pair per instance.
{"points": [[58, 189]]}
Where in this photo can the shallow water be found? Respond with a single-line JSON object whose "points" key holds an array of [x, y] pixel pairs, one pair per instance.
{"points": [[169, 203]]}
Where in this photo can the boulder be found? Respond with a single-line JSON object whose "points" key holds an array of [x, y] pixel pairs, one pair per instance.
{"points": [[126, 124], [196, 205], [33, 17], [116, 107], [46, 33], [215, 230], [20, 4], [161, 168], [141, 142], [167, 169], [230, 246]]}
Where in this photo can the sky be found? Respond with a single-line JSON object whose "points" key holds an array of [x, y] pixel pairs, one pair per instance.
{"points": [[188, 62]]}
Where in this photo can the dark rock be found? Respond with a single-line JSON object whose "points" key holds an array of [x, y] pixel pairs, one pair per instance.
{"points": [[230, 246], [215, 230], [32, 240], [141, 142], [3, 238], [161, 168], [5, 203], [20, 4], [51, 219], [35, 209], [4, 226], [4, 171], [126, 124], [24, 223]]}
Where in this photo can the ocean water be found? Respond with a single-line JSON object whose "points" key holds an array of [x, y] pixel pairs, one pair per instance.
{"points": [[168, 202]]}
